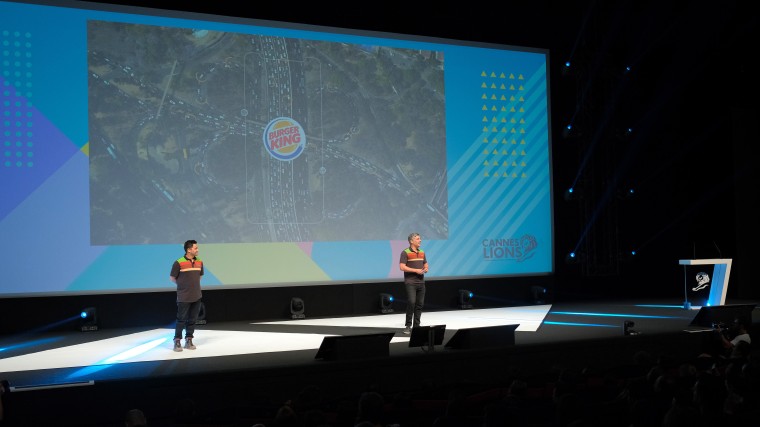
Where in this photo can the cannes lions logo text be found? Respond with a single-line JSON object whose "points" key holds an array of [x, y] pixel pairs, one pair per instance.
{"points": [[284, 138], [517, 249]]}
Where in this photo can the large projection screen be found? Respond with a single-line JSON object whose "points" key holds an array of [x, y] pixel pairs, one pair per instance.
{"points": [[294, 154]]}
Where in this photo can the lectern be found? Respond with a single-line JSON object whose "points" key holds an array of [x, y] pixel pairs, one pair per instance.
{"points": [[705, 281]]}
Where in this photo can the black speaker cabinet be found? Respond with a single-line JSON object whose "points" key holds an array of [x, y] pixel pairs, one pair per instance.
{"points": [[355, 346], [486, 337], [426, 336]]}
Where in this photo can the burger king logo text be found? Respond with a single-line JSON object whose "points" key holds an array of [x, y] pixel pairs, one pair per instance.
{"points": [[284, 138]]}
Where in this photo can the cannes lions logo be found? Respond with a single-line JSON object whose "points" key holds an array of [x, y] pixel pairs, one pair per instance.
{"points": [[284, 138], [703, 281], [516, 249]]}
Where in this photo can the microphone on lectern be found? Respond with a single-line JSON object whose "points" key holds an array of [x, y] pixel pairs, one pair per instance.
{"points": [[716, 247]]}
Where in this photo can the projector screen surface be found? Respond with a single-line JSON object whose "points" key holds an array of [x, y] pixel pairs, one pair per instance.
{"points": [[294, 155]]}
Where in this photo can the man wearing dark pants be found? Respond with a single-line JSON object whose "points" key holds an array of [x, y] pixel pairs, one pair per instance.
{"points": [[186, 274], [414, 265]]}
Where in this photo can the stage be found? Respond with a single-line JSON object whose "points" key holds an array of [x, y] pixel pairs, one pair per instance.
{"points": [[95, 376]]}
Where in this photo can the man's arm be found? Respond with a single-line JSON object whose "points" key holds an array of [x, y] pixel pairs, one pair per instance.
{"points": [[403, 267], [174, 272]]}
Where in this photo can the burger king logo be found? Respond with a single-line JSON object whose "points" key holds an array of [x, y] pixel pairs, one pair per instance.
{"points": [[284, 138]]}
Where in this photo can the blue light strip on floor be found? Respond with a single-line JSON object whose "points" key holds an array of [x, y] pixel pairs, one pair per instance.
{"points": [[136, 351], [580, 324], [128, 354], [640, 316], [32, 343], [659, 306]]}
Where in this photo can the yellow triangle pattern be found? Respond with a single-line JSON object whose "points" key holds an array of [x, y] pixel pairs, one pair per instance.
{"points": [[502, 107]]}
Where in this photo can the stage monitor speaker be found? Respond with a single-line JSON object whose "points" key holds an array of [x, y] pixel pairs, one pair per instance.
{"points": [[486, 337], [712, 315], [355, 346], [423, 335]]}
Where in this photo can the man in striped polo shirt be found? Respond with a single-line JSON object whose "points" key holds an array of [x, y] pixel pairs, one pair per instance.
{"points": [[186, 274], [414, 265]]}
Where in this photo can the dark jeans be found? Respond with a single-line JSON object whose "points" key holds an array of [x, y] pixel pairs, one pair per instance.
{"points": [[187, 315], [415, 299]]}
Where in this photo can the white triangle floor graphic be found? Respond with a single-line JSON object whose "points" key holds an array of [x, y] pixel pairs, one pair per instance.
{"points": [[156, 344]]}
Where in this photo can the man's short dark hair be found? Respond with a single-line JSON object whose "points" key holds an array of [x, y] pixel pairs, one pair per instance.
{"points": [[189, 244]]}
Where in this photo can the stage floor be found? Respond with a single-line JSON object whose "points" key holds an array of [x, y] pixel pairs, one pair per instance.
{"points": [[100, 354], [237, 362], [65, 358]]}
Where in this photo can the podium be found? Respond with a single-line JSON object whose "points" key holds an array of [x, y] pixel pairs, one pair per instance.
{"points": [[705, 281]]}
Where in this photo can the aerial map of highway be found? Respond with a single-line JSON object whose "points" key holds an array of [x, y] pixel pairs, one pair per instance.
{"points": [[260, 138]]}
